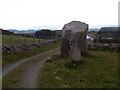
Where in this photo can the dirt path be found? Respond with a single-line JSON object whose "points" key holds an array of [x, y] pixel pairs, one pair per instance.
{"points": [[31, 72], [6, 69]]}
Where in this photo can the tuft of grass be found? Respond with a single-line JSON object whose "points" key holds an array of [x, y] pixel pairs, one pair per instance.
{"points": [[97, 69], [7, 59]]}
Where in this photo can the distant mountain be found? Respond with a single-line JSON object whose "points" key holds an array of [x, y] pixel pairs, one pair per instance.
{"points": [[22, 31], [45, 27], [99, 27], [12, 30]]}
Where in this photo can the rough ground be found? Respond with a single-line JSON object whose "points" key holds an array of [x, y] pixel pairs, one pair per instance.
{"points": [[30, 68]]}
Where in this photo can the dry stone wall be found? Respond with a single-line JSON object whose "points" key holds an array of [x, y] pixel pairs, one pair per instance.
{"points": [[23, 47]]}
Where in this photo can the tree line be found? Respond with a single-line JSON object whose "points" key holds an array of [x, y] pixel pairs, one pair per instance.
{"points": [[46, 33]]}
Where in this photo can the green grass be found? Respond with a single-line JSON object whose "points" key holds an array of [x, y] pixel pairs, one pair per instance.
{"points": [[13, 40], [12, 80], [6, 59], [97, 69]]}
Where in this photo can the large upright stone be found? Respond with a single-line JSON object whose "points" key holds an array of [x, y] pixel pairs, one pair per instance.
{"points": [[65, 48], [74, 39]]}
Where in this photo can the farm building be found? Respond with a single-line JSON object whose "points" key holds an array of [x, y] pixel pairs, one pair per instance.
{"points": [[109, 34]]}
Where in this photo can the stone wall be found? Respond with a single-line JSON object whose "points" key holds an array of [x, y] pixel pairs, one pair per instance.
{"points": [[104, 46], [23, 47]]}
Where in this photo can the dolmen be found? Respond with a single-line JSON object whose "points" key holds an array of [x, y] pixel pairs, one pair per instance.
{"points": [[74, 40]]}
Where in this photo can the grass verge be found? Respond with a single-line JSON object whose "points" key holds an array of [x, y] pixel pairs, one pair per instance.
{"points": [[7, 59], [97, 69], [12, 80]]}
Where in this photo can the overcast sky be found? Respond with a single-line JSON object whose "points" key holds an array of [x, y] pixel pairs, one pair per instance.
{"points": [[34, 14]]}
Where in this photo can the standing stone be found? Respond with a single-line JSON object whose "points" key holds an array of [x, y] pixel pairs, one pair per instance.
{"points": [[75, 52], [65, 47], [74, 40]]}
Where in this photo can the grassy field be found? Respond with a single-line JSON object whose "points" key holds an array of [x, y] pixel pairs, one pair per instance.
{"points": [[6, 59], [97, 69], [13, 40]]}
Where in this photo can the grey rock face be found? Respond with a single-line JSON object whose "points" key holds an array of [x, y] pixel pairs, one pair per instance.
{"points": [[74, 39]]}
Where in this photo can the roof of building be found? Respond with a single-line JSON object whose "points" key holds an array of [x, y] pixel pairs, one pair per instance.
{"points": [[109, 29]]}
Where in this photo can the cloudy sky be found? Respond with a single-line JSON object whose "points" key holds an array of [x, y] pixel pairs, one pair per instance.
{"points": [[53, 14]]}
